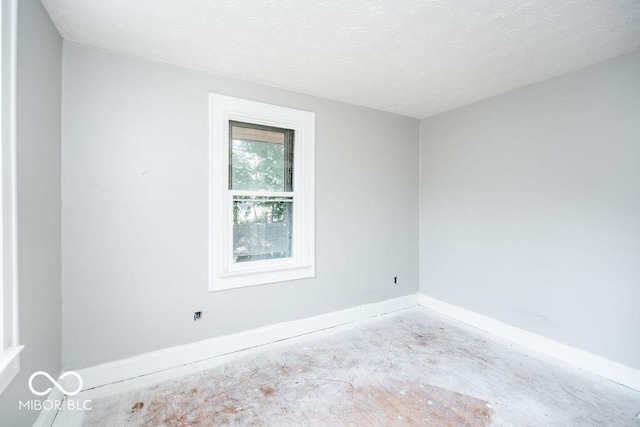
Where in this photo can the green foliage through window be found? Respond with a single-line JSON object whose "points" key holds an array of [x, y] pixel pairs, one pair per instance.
{"points": [[261, 160]]}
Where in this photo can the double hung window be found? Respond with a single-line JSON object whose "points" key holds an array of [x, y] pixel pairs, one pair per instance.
{"points": [[261, 201]]}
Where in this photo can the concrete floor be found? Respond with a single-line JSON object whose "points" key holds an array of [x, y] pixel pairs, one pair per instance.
{"points": [[411, 367]]}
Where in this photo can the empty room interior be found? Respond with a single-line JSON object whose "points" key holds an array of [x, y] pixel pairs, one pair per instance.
{"points": [[320, 213]]}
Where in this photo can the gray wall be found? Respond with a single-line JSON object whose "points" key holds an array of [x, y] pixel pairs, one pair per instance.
{"points": [[38, 155], [530, 208], [134, 203]]}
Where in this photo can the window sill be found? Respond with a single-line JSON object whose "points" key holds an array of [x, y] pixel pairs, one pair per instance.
{"points": [[9, 366], [263, 267], [240, 280]]}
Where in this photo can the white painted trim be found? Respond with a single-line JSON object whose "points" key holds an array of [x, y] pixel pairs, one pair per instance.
{"points": [[48, 416], [9, 331], [9, 366], [223, 273], [2, 203], [582, 359], [172, 357]]}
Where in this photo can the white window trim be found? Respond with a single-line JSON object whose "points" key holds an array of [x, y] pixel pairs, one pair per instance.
{"points": [[223, 273], [9, 348]]}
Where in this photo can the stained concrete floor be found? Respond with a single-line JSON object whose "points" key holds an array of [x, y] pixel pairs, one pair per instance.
{"points": [[411, 367]]}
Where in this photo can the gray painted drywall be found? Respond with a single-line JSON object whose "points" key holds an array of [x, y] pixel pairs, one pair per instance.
{"points": [[530, 208], [134, 202], [38, 182]]}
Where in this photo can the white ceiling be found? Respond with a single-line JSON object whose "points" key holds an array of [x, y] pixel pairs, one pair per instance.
{"points": [[414, 57]]}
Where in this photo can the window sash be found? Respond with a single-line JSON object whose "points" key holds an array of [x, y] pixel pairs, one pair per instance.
{"points": [[235, 268], [264, 237], [288, 137]]}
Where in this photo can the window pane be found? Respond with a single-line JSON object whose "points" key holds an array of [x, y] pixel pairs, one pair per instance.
{"points": [[261, 228], [259, 158]]}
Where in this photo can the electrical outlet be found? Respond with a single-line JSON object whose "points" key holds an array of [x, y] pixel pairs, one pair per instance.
{"points": [[197, 316]]}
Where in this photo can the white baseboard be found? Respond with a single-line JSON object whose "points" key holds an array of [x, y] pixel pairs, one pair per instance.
{"points": [[47, 416], [172, 357], [590, 362]]}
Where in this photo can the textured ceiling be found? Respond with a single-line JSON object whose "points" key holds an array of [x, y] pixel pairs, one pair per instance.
{"points": [[414, 57]]}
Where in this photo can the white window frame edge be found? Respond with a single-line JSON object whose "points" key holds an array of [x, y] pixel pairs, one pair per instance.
{"points": [[222, 274], [9, 338]]}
